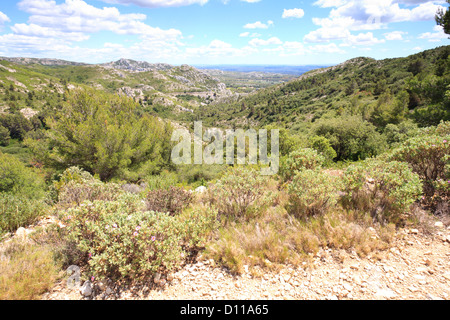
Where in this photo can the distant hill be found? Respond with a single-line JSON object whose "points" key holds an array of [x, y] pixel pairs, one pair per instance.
{"points": [[361, 86], [278, 69]]}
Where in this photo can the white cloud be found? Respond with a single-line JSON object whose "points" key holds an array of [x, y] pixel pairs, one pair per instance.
{"points": [[363, 39], [76, 16], [373, 15], [251, 35], [4, 18], [259, 42], [258, 25], [327, 34], [395, 35], [157, 3], [251, 1], [435, 36], [293, 13]]}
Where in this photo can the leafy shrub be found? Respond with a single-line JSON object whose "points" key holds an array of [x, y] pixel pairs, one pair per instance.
{"points": [[172, 200], [119, 240], [18, 211], [323, 147], [300, 160], [385, 189], [242, 192], [73, 194], [76, 186], [4, 136], [312, 192], [16, 178], [163, 181], [427, 157], [351, 137]]}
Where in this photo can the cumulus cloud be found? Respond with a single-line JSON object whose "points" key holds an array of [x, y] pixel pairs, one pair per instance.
{"points": [[77, 17], [3, 18], [395, 35], [260, 42], [293, 13], [258, 25], [435, 36], [157, 3]]}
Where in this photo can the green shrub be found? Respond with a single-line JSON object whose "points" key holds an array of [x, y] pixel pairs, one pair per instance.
{"points": [[16, 178], [312, 192], [172, 200], [119, 240], [73, 193], [163, 181], [322, 146], [76, 186], [427, 157], [4, 136], [19, 211], [300, 160], [242, 192], [386, 190]]}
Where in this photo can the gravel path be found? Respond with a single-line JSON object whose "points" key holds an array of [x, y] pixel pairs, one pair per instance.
{"points": [[416, 267]]}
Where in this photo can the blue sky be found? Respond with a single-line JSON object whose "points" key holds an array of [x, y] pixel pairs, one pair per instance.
{"points": [[284, 32]]}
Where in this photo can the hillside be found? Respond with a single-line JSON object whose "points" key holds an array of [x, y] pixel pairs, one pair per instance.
{"points": [[361, 86], [160, 88]]}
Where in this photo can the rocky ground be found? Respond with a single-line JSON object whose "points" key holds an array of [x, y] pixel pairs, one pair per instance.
{"points": [[417, 266]]}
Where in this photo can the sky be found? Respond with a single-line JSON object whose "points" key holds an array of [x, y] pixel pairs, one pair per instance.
{"points": [[263, 32]]}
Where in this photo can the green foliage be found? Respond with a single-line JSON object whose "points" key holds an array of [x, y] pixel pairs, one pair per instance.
{"points": [[427, 155], [4, 136], [241, 193], [323, 146], [104, 135], [19, 211], [312, 192], [386, 190], [298, 160], [172, 200], [351, 137], [16, 178], [16, 124], [443, 19], [397, 133], [119, 240]]}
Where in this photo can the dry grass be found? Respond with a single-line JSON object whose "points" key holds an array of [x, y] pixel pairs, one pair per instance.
{"points": [[277, 238], [26, 271]]}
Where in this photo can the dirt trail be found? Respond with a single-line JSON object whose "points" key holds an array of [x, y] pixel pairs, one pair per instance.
{"points": [[416, 267]]}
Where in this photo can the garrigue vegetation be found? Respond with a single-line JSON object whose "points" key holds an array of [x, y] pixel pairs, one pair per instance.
{"points": [[361, 145]]}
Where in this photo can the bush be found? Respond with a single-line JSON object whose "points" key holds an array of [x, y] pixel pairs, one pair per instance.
{"points": [[303, 159], [323, 147], [384, 189], [427, 157], [312, 192], [241, 193], [351, 137], [172, 200], [16, 178], [76, 186], [119, 240], [4, 136], [18, 211]]}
